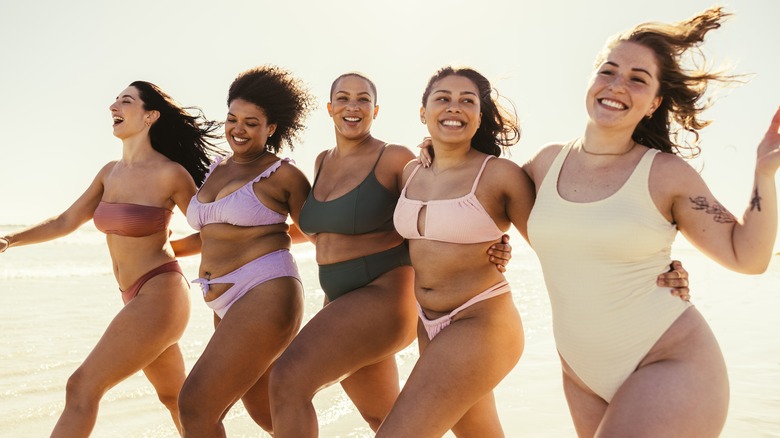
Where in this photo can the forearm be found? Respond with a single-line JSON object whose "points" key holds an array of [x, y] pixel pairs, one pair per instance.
{"points": [[49, 229], [754, 237], [187, 246]]}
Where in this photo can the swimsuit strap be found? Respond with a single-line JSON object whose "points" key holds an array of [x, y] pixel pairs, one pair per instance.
{"points": [[479, 175], [409, 180], [379, 157]]}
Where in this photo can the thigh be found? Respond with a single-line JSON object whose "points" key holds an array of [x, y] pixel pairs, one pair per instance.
{"points": [[360, 328], [246, 341], [682, 393], [586, 408], [457, 369], [141, 331]]}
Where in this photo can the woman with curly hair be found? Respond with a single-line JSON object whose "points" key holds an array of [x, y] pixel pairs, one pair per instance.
{"points": [[165, 154], [248, 276], [637, 362], [470, 335]]}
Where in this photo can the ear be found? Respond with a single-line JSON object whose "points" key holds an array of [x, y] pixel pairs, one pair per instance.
{"points": [[376, 110], [330, 109], [271, 129], [656, 103], [153, 116], [422, 115]]}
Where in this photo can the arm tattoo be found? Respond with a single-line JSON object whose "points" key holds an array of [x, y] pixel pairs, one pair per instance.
{"points": [[720, 214], [755, 203]]}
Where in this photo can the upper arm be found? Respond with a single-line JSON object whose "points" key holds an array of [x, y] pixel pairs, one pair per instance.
{"points": [[183, 185], [297, 190], [84, 207], [536, 168], [681, 194], [519, 196], [399, 157]]}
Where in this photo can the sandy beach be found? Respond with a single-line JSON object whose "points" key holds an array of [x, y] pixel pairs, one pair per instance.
{"points": [[56, 299]]}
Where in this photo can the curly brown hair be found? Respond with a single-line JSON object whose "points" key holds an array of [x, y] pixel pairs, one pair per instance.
{"points": [[682, 89], [284, 98]]}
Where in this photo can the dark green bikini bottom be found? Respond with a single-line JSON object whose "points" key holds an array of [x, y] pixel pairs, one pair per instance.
{"points": [[336, 279]]}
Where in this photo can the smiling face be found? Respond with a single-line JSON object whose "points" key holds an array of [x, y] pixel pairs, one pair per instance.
{"points": [[247, 128], [128, 114], [352, 107], [624, 88], [452, 110]]}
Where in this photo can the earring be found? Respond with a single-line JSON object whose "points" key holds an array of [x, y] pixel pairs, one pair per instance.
{"points": [[422, 119], [649, 116]]}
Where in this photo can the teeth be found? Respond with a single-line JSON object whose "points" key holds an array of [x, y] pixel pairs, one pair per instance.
{"points": [[118, 119], [240, 140], [613, 104], [452, 123], [352, 119]]}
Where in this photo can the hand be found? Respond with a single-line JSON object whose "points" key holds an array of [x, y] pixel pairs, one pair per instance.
{"points": [[425, 157], [4, 244], [500, 253], [677, 279], [768, 154]]}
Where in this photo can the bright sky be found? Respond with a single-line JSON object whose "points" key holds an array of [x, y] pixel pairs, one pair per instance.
{"points": [[64, 62]]}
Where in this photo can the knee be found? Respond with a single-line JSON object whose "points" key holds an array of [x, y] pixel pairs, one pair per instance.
{"points": [[285, 383], [189, 403], [81, 391], [169, 400], [373, 419]]}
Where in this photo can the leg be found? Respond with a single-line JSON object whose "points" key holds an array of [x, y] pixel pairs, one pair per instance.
{"points": [[257, 404], [167, 375], [251, 335], [480, 420], [449, 380], [373, 389], [363, 327], [680, 389], [139, 334], [586, 408]]}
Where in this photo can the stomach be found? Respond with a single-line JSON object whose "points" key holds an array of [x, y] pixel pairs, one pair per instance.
{"points": [[447, 275], [226, 247], [334, 248]]}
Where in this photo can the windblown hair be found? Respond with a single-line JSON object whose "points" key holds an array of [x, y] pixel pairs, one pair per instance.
{"points": [[682, 89], [283, 98], [356, 74], [499, 128], [177, 134]]}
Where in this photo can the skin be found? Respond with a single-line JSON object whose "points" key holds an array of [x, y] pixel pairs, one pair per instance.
{"points": [[354, 339], [144, 334], [253, 333], [451, 387], [684, 371]]}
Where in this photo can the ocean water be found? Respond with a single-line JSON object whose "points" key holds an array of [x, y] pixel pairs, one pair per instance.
{"points": [[56, 299]]}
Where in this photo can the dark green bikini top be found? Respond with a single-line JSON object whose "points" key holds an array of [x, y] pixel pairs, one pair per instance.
{"points": [[367, 208]]}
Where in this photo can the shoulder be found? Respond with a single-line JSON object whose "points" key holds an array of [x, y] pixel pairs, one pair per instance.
{"points": [[397, 151], [540, 163], [288, 170], [672, 172]]}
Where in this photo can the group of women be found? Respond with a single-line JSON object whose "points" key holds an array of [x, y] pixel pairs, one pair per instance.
{"points": [[401, 252]]}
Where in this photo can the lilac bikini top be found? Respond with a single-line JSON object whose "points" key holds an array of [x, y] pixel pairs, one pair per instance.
{"points": [[241, 208]]}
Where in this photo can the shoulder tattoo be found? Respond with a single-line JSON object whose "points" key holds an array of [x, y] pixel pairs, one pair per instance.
{"points": [[719, 214]]}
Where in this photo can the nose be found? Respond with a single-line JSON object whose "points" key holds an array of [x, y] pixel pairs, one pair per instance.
{"points": [[453, 107], [618, 83], [112, 107]]}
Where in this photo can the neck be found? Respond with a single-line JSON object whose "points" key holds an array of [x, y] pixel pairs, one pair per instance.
{"points": [[446, 158], [347, 146], [136, 148], [601, 142]]}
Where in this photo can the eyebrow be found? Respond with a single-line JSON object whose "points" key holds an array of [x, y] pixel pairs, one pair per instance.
{"points": [[347, 92], [126, 95], [250, 117], [641, 70], [450, 92]]}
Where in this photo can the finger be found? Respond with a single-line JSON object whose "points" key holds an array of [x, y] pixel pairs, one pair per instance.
{"points": [[774, 127]]}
